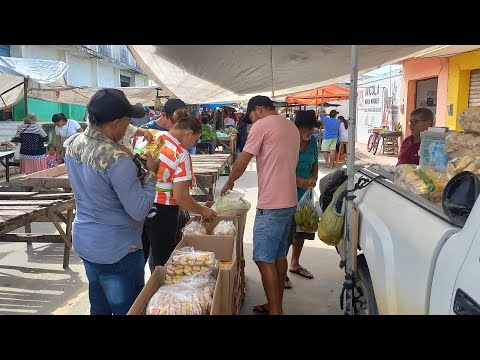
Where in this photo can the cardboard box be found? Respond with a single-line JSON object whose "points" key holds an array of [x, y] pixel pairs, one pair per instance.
{"points": [[223, 297], [224, 249]]}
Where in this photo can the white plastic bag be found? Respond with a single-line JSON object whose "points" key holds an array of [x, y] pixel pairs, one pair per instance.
{"points": [[224, 227], [231, 204]]}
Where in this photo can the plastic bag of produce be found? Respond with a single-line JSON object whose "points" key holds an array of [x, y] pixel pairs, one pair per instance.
{"points": [[306, 215], [407, 177], [458, 144], [224, 227], [186, 261], [469, 119], [231, 203], [330, 227], [192, 295]]}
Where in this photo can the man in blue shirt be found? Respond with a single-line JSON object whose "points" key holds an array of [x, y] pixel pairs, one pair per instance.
{"points": [[112, 204], [330, 137]]}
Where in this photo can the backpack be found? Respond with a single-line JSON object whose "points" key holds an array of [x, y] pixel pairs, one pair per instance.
{"points": [[335, 180]]}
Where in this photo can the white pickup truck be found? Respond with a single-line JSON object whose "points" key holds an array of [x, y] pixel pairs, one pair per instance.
{"points": [[412, 259]]}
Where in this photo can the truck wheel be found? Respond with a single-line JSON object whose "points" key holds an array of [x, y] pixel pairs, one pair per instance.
{"points": [[366, 303]]}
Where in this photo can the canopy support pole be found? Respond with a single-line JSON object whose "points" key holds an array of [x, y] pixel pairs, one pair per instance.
{"points": [[25, 96], [350, 253]]}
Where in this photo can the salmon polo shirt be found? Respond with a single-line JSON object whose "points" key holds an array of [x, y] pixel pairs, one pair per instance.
{"points": [[275, 142]]}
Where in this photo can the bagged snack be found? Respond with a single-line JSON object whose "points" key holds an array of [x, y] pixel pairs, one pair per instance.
{"points": [[432, 149], [187, 261], [224, 227], [306, 215], [191, 296], [458, 144], [231, 204], [195, 228], [425, 182], [464, 163], [153, 147], [469, 119]]}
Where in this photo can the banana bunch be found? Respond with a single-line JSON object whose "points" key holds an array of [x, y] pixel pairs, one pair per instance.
{"points": [[397, 127], [307, 218]]}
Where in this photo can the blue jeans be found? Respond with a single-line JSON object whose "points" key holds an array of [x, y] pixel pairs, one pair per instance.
{"points": [[113, 288], [270, 234]]}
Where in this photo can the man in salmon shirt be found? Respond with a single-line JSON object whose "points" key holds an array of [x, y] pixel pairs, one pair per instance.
{"points": [[275, 142]]}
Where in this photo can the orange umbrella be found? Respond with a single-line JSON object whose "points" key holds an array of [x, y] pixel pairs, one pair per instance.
{"points": [[319, 96]]}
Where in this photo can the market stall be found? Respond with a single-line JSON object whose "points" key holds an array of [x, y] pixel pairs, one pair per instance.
{"points": [[207, 169]]}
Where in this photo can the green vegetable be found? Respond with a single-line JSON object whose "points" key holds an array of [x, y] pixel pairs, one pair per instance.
{"points": [[207, 134]]}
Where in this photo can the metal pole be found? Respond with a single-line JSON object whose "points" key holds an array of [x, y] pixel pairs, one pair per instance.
{"points": [[351, 180], [25, 96]]}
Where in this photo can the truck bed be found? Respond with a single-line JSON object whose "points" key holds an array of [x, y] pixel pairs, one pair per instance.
{"points": [[401, 235]]}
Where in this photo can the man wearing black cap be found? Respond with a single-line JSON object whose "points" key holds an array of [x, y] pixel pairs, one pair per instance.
{"points": [[111, 205], [275, 142], [165, 120], [141, 117]]}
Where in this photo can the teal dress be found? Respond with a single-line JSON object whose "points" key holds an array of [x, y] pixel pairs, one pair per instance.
{"points": [[306, 159]]}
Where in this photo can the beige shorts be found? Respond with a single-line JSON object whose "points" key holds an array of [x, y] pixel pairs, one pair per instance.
{"points": [[329, 145]]}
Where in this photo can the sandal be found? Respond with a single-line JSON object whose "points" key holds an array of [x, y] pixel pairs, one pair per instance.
{"points": [[302, 272], [288, 284], [262, 308]]}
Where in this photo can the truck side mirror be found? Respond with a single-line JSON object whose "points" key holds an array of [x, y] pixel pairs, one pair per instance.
{"points": [[459, 197]]}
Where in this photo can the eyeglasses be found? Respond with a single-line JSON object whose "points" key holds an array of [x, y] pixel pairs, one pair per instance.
{"points": [[414, 122]]}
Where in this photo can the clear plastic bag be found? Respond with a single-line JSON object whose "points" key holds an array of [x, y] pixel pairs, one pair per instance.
{"points": [[192, 295], [194, 228], [224, 227], [306, 215], [187, 261], [464, 163], [458, 144], [407, 177], [469, 119], [231, 204]]}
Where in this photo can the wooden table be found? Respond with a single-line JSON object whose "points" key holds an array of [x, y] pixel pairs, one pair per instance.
{"points": [[5, 157], [230, 142], [207, 169], [21, 209], [53, 178]]}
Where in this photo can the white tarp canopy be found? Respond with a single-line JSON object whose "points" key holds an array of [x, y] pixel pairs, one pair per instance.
{"points": [[13, 71], [46, 82], [221, 73]]}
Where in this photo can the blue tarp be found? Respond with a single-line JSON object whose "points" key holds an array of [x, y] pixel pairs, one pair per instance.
{"points": [[212, 106]]}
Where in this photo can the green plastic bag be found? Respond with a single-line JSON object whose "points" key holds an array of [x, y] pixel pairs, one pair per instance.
{"points": [[330, 227]]}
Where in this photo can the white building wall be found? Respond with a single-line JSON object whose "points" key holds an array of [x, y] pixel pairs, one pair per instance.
{"points": [[46, 52], [79, 72], [106, 75]]}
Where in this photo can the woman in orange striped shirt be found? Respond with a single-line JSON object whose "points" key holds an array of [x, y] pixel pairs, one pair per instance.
{"points": [[174, 180]]}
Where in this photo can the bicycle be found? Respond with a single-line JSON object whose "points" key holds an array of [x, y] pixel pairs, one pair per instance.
{"points": [[374, 139]]}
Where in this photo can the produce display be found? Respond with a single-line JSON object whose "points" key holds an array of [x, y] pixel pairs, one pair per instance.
{"points": [[187, 261], [230, 131], [224, 227], [191, 296], [469, 119], [207, 134]]}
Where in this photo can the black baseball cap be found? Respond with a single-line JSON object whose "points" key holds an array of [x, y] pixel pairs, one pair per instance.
{"points": [[258, 100], [109, 104], [173, 105], [334, 113]]}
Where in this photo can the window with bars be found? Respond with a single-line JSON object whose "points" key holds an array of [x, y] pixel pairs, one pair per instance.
{"points": [[124, 54], [105, 50], [124, 81]]}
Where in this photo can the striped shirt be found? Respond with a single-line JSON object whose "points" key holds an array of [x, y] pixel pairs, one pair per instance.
{"points": [[175, 166]]}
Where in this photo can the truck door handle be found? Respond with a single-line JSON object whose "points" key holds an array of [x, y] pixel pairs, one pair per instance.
{"points": [[464, 304]]}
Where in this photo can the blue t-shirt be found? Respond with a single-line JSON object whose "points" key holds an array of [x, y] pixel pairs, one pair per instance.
{"points": [[306, 159], [153, 125], [331, 127]]}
